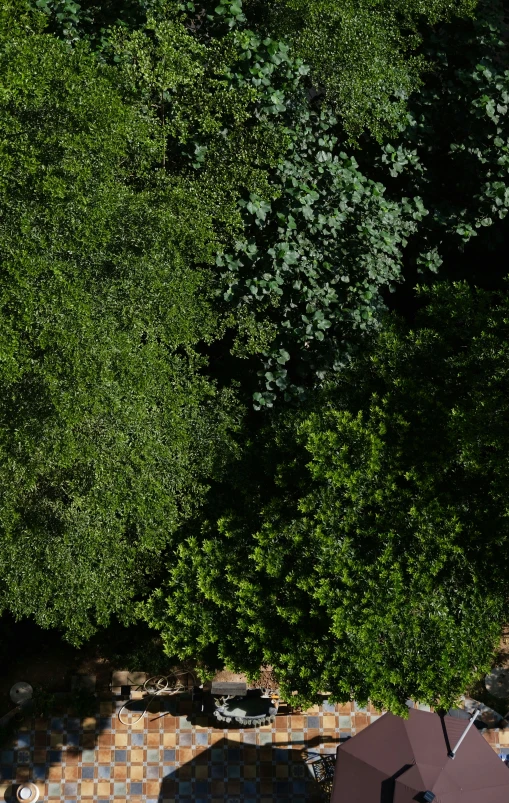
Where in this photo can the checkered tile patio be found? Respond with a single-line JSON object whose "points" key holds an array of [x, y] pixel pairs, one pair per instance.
{"points": [[175, 755]]}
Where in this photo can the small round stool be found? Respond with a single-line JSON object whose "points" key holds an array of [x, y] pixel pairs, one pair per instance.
{"points": [[27, 793]]}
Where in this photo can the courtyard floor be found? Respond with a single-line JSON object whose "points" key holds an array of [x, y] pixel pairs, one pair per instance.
{"points": [[175, 755]]}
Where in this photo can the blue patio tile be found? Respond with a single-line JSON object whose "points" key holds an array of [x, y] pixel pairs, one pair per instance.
{"points": [[299, 787], [265, 738], [202, 800], [121, 756], [136, 788], [73, 723], [330, 707], [202, 738], [102, 800], [57, 724], [88, 756], [185, 788], [153, 755], [233, 770], [73, 739], [185, 723], [39, 772], [87, 773], [23, 740], [217, 755], [280, 756], [70, 790], [250, 788], [54, 789], [313, 722], [7, 757], [217, 771], [201, 788], [152, 773], [105, 723], [55, 756], [149, 800], [233, 754], [104, 772], [119, 789], [6, 773], [282, 787], [168, 755], [137, 739]]}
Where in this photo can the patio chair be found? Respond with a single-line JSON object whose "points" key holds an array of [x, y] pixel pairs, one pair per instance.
{"points": [[322, 768]]}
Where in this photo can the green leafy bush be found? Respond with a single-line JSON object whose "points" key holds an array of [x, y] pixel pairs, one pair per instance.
{"points": [[374, 565]]}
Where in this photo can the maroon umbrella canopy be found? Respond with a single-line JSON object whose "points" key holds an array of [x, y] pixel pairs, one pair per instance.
{"points": [[397, 760]]}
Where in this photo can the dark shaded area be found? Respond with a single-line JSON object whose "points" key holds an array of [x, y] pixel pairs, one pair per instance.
{"points": [[42, 657], [389, 785], [244, 771]]}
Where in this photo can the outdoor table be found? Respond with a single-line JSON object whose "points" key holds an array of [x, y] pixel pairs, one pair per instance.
{"points": [[497, 682], [21, 692], [248, 711]]}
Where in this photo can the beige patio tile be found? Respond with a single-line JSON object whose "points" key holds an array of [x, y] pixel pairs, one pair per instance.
{"points": [[87, 788], [137, 772], [136, 755]]}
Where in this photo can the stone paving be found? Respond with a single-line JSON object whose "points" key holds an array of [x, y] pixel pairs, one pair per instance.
{"points": [[174, 754]]}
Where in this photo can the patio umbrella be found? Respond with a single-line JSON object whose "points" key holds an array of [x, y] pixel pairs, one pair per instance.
{"points": [[397, 760]]}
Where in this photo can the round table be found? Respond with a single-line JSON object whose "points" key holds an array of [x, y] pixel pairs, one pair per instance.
{"points": [[497, 682], [21, 692]]}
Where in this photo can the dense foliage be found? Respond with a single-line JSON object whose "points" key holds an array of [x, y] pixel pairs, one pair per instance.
{"points": [[453, 149], [374, 567], [208, 205], [362, 53], [109, 431]]}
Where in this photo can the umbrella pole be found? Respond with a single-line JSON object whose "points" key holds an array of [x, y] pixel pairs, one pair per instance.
{"points": [[453, 752]]}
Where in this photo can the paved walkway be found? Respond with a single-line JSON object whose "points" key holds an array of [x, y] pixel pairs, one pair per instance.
{"points": [[174, 755]]}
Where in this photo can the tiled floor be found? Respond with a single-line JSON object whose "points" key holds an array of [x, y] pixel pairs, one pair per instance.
{"points": [[175, 755]]}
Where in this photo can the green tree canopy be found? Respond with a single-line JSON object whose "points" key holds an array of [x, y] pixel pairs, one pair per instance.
{"points": [[362, 53], [374, 564], [109, 431]]}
